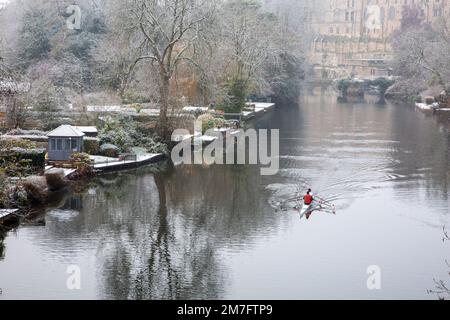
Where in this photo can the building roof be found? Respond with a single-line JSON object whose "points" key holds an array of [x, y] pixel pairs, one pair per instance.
{"points": [[65, 131], [87, 129]]}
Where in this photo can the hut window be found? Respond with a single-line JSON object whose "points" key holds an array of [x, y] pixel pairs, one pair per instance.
{"points": [[67, 144], [59, 144], [52, 144], [74, 144]]}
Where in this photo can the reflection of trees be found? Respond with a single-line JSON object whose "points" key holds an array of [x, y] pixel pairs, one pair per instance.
{"points": [[225, 199], [2, 246], [158, 233], [423, 151], [176, 255], [163, 258]]}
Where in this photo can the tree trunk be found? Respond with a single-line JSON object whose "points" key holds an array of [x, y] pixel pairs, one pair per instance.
{"points": [[164, 105], [122, 87]]}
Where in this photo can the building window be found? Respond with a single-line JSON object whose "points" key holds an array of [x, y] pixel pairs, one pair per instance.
{"points": [[67, 145], [52, 146], [74, 145], [391, 14], [59, 144]]}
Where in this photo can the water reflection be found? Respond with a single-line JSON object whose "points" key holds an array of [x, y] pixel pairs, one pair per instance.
{"points": [[158, 229], [2, 246], [172, 254], [422, 155], [358, 142]]}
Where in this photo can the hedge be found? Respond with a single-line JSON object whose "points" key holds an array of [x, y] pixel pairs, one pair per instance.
{"points": [[18, 162], [91, 145]]}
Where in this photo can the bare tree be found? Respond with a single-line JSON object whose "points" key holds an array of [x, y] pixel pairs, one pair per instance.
{"points": [[170, 29], [117, 53], [421, 53], [10, 88], [246, 30], [442, 290]]}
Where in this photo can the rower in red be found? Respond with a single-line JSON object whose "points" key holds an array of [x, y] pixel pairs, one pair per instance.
{"points": [[308, 200]]}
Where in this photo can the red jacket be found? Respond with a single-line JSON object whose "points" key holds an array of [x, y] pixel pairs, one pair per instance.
{"points": [[308, 199]]}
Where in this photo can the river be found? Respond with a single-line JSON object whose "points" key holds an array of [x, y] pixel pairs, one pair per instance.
{"points": [[197, 232]]}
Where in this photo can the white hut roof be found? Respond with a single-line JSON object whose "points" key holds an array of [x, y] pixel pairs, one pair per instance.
{"points": [[87, 129], [65, 131]]}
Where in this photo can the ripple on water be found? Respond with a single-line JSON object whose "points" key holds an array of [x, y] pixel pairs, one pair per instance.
{"points": [[355, 163]]}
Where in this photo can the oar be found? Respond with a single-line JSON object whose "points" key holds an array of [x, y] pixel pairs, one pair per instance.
{"points": [[324, 201], [321, 200], [328, 203], [298, 197], [293, 199]]}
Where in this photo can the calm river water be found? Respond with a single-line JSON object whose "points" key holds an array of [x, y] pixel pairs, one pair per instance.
{"points": [[197, 232]]}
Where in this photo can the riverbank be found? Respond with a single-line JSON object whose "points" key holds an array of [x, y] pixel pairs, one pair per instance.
{"points": [[34, 189], [107, 165], [432, 101], [223, 125], [358, 87], [6, 214]]}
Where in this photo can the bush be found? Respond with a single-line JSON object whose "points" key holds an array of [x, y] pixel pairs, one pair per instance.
{"points": [[18, 162], [83, 163], [210, 122], [405, 89], [109, 150], [80, 159], [3, 189], [55, 180], [17, 197], [36, 157], [234, 95], [350, 87], [21, 132], [124, 134], [119, 137], [138, 151], [91, 145], [158, 147], [8, 144], [36, 190], [430, 100], [343, 85], [130, 97], [382, 84], [207, 122], [82, 172], [137, 106], [219, 122]]}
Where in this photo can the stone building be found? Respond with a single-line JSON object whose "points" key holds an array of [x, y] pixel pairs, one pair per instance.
{"points": [[353, 37]]}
